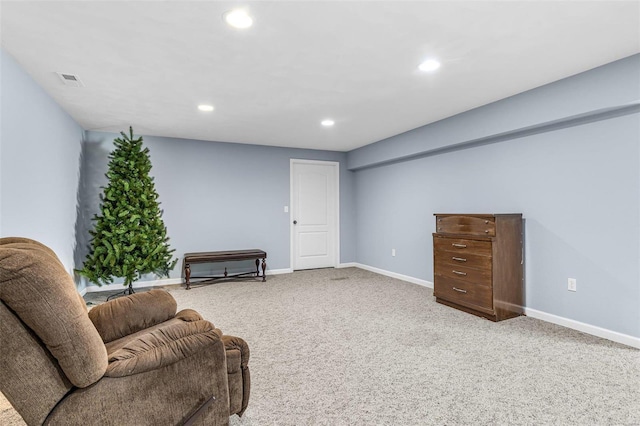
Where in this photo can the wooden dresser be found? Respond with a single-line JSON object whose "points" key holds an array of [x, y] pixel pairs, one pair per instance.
{"points": [[478, 264]]}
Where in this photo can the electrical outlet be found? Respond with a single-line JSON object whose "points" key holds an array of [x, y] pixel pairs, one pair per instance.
{"points": [[393, 252], [286, 209], [572, 284]]}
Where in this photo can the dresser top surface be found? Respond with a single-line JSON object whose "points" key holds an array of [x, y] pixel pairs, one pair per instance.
{"points": [[478, 214]]}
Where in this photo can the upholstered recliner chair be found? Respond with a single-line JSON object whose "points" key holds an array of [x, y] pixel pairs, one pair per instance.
{"points": [[131, 361]]}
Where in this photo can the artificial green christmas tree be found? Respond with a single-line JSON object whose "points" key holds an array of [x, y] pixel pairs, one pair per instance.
{"points": [[129, 238]]}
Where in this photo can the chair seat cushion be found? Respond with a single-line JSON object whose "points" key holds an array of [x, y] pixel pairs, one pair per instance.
{"points": [[161, 347]]}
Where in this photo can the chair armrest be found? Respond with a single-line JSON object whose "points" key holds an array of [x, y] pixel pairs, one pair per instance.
{"points": [[189, 315], [127, 315], [233, 342], [162, 347]]}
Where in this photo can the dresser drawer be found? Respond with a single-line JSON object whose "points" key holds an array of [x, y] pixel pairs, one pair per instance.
{"points": [[461, 245], [463, 273], [470, 295], [466, 225], [470, 260]]}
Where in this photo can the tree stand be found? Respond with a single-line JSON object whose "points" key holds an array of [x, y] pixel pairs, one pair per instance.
{"points": [[125, 292]]}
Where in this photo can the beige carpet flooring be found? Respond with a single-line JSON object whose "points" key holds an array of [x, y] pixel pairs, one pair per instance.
{"points": [[349, 347]]}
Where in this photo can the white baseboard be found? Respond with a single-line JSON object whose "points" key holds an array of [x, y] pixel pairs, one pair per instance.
{"points": [[157, 283], [279, 271], [347, 265], [137, 284], [407, 278], [614, 336]]}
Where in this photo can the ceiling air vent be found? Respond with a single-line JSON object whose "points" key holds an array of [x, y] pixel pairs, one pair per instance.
{"points": [[70, 79]]}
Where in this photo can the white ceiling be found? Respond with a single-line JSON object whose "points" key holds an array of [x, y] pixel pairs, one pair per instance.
{"points": [[150, 63]]}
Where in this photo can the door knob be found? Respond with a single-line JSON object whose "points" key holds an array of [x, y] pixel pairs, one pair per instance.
{"points": [[295, 222]]}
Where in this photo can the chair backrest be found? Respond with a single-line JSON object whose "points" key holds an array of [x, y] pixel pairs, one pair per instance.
{"points": [[47, 341]]}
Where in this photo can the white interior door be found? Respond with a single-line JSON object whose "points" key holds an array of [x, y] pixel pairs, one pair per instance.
{"points": [[314, 214]]}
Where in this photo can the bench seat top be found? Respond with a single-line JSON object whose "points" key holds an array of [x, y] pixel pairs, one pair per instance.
{"points": [[221, 256]]}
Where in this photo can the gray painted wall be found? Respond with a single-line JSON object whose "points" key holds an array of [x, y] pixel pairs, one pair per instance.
{"points": [[613, 86], [219, 196], [39, 163], [578, 187]]}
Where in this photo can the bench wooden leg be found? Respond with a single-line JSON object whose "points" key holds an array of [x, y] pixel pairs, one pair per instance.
{"points": [[187, 275], [264, 268]]}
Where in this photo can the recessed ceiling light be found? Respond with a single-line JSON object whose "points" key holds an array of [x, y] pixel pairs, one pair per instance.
{"points": [[328, 122], [429, 65], [238, 18], [205, 108]]}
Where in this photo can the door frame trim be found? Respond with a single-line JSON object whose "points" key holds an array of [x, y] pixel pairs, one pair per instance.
{"points": [[336, 166]]}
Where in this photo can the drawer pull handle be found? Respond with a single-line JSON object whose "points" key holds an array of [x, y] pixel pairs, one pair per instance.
{"points": [[459, 245], [459, 273], [459, 259], [459, 290]]}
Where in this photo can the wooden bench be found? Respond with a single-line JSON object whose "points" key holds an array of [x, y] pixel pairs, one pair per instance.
{"points": [[224, 256]]}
